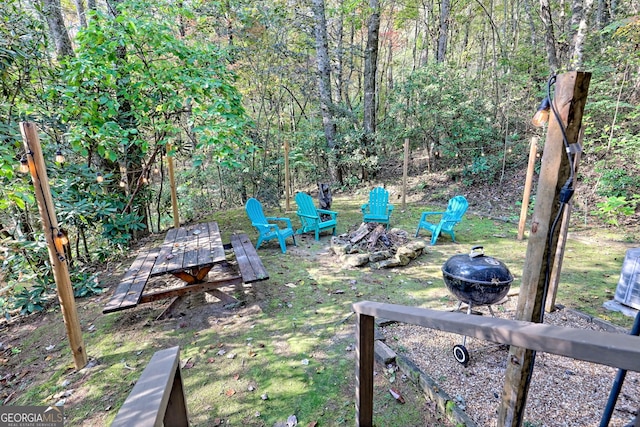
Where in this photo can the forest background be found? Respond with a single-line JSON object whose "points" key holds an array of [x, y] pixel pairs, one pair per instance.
{"points": [[224, 86]]}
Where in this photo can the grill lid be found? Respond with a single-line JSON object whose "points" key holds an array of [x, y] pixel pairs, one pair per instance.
{"points": [[477, 268]]}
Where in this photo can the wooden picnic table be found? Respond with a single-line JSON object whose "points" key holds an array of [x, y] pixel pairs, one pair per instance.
{"points": [[189, 253]]}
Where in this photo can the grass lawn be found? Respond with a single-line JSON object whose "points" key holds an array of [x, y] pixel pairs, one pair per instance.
{"points": [[289, 349]]}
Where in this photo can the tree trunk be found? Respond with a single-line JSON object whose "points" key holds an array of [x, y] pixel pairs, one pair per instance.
{"points": [[550, 41], [445, 8], [324, 83], [532, 24], [57, 30], [82, 16], [132, 163], [370, 69], [580, 35], [601, 15], [340, 53]]}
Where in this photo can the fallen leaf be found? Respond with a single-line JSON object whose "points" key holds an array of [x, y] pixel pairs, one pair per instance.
{"points": [[312, 424], [236, 377], [211, 360], [230, 392], [396, 395]]}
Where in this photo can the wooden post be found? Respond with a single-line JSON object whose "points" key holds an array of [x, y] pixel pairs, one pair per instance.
{"points": [[405, 171], [533, 151], [40, 180], [364, 369], [569, 100], [552, 292], [287, 196], [174, 193]]}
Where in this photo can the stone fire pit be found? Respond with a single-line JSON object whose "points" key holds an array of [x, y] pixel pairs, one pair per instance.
{"points": [[373, 245]]}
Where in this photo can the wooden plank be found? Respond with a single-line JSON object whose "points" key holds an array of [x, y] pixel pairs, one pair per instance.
{"points": [[183, 249], [605, 348], [165, 251], [128, 292], [215, 243], [190, 289], [249, 263], [364, 369], [125, 283], [533, 151], [158, 397], [133, 296]]}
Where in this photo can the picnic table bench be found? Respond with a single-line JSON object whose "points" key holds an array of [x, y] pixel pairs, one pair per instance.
{"points": [[158, 398], [189, 254]]}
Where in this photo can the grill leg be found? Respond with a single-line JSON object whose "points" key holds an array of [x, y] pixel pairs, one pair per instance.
{"points": [[491, 311], [464, 337]]}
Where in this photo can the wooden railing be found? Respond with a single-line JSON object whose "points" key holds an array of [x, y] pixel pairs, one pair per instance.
{"points": [[157, 399], [605, 348]]}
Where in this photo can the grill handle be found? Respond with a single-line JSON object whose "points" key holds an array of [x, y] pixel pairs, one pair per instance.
{"points": [[476, 251]]}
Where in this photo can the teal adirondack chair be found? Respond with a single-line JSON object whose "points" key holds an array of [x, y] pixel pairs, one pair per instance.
{"points": [[455, 209], [266, 229], [310, 216], [378, 209]]}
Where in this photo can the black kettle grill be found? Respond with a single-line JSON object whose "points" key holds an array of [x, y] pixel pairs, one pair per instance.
{"points": [[475, 279]]}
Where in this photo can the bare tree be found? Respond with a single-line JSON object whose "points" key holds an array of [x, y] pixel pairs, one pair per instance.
{"points": [[370, 69], [324, 82], [583, 11], [57, 30], [550, 41], [445, 10], [82, 16]]}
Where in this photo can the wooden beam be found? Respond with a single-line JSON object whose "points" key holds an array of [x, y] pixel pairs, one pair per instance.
{"points": [[405, 173], [554, 281], [189, 289], [287, 184], [158, 397], [364, 369], [172, 185], [38, 171], [533, 152], [570, 97]]}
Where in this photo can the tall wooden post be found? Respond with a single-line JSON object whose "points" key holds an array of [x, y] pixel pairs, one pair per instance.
{"points": [[405, 172], [569, 100], [533, 151], [40, 180], [174, 192], [287, 196], [554, 281]]}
